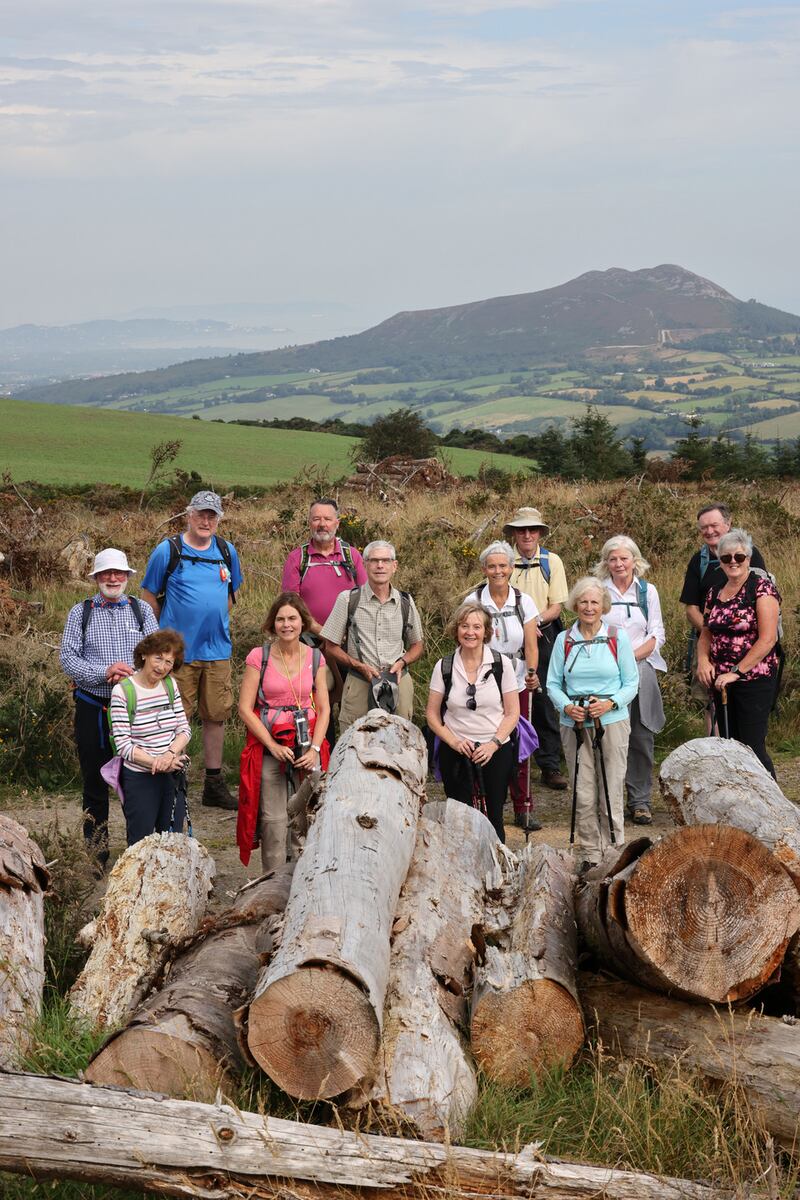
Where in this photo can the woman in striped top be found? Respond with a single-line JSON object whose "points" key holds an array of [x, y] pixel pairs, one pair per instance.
{"points": [[150, 733]]}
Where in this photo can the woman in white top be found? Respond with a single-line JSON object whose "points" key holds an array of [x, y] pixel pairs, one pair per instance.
{"points": [[514, 633], [475, 716], [636, 608], [150, 734]]}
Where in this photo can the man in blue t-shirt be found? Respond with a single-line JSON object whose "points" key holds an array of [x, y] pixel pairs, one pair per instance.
{"points": [[191, 582]]}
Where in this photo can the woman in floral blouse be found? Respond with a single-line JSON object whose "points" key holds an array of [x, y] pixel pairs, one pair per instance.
{"points": [[737, 647]]}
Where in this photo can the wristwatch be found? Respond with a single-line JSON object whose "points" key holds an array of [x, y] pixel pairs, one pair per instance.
{"points": [[497, 742], [738, 671]]}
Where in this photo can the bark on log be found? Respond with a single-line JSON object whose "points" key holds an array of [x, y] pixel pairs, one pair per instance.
{"points": [[315, 1021], [716, 780], [24, 879], [526, 1016], [183, 1041], [427, 1081], [161, 884], [761, 1055], [53, 1128], [706, 913]]}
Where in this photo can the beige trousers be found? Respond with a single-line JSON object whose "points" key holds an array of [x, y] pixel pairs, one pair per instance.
{"points": [[591, 816], [278, 841], [356, 699]]}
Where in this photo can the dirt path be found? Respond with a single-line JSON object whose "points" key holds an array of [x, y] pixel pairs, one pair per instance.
{"points": [[216, 828]]}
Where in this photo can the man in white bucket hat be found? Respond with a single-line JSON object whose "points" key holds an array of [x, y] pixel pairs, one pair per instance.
{"points": [[96, 652]]}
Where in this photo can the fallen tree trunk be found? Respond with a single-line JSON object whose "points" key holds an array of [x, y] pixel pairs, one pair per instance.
{"points": [[760, 1055], [525, 1011], [427, 1080], [156, 896], [315, 1021], [56, 1129], [24, 879], [716, 780], [706, 913], [182, 1041]]}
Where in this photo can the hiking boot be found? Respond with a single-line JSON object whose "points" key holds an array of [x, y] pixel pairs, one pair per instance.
{"points": [[555, 780], [216, 794], [642, 816], [530, 823]]}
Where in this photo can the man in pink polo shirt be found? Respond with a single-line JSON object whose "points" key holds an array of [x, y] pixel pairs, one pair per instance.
{"points": [[324, 566]]}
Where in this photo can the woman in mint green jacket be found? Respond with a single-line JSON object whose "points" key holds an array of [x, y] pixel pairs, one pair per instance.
{"points": [[591, 680]]}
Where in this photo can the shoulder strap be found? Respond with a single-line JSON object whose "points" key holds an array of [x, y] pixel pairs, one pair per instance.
{"points": [[86, 616], [518, 613], [347, 555], [265, 649], [613, 641], [352, 604], [497, 670], [544, 563], [316, 658], [405, 611], [447, 680], [705, 561], [224, 549], [304, 560], [169, 684], [130, 697], [174, 544], [641, 588], [137, 612]]}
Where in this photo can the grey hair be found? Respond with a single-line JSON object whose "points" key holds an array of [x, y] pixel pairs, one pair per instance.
{"points": [[379, 545], [585, 584], [497, 548], [733, 538], [621, 542]]}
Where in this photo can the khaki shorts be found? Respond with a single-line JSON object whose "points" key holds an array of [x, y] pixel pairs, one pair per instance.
{"points": [[206, 685]]}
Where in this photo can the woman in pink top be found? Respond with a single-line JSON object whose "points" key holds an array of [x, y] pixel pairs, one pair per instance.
{"points": [[475, 719], [275, 701]]}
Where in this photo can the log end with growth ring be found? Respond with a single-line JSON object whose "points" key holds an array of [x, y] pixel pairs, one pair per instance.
{"points": [[713, 910], [152, 1061], [314, 1033], [535, 1026]]}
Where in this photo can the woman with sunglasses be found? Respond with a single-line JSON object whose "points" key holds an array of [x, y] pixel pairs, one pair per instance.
{"points": [[475, 721], [737, 657]]}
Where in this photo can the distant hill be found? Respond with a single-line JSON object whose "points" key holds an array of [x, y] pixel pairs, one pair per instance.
{"points": [[664, 304]]}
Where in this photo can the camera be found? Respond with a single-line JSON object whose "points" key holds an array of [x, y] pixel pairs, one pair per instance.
{"points": [[302, 735]]}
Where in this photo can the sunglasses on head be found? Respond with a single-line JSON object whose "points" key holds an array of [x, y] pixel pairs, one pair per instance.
{"points": [[729, 558]]}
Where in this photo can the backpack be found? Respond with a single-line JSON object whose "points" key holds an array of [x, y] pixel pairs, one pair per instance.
{"points": [[639, 602], [177, 554], [750, 596], [447, 675], [347, 555], [86, 616], [543, 563], [611, 641], [129, 689], [352, 605], [518, 613], [316, 657]]}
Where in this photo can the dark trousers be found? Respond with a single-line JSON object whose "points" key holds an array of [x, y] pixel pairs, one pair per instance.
{"points": [[545, 718], [749, 706], [94, 749], [148, 804], [460, 783]]}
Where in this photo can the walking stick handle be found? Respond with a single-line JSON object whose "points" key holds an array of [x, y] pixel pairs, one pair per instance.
{"points": [[724, 690]]}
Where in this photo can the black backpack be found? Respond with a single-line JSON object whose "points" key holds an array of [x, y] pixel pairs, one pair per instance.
{"points": [[177, 553]]}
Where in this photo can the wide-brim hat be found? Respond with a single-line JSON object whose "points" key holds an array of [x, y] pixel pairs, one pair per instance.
{"points": [[525, 518], [111, 560]]}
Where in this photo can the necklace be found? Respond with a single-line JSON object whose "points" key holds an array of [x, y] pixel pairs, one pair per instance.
{"points": [[297, 699]]}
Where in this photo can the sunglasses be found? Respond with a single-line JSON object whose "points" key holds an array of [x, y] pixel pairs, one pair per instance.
{"points": [[729, 558], [472, 703]]}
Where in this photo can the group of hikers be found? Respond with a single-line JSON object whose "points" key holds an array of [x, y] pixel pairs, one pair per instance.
{"points": [[518, 686]]}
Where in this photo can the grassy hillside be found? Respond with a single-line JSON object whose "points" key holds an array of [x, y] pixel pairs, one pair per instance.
{"points": [[59, 445]]}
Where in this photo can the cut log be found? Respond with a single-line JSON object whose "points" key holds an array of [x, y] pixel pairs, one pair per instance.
{"points": [[760, 1055], [706, 913], [315, 1021], [156, 896], [427, 1082], [716, 780], [24, 879], [56, 1129], [525, 1011], [182, 1042]]}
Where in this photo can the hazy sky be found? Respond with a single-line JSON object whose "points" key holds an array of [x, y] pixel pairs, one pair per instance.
{"points": [[390, 155]]}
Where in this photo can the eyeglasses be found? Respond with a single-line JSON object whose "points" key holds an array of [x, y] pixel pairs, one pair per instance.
{"points": [[472, 703], [164, 661], [737, 558], [529, 528]]}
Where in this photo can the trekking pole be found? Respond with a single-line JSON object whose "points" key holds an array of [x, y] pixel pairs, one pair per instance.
{"points": [[478, 787], [724, 691], [527, 816], [578, 740], [711, 709], [598, 745]]}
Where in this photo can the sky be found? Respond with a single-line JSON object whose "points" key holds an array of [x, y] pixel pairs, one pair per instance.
{"points": [[387, 155]]}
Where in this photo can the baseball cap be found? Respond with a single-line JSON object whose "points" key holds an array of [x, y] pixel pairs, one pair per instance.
{"points": [[211, 500]]}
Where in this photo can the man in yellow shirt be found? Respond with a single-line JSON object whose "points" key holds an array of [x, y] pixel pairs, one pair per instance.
{"points": [[540, 574]]}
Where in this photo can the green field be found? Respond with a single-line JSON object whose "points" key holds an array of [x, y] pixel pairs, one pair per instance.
{"points": [[55, 444]]}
